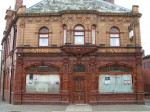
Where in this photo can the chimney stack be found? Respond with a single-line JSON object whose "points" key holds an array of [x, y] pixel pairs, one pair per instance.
{"points": [[9, 17], [111, 1], [18, 4]]}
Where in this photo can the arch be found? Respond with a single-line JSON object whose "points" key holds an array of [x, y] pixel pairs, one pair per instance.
{"points": [[43, 30], [36, 66], [114, 29], [79, 68], [111, 67]]}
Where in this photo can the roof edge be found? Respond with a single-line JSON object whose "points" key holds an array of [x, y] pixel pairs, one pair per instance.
{"points": [[132, 14]]}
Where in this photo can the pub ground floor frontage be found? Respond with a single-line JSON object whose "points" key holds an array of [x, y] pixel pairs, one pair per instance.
{"points": [[74, 76]]}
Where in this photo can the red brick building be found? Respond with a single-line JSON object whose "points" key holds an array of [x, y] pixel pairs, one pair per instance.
{"points": [[146, 73], [66, 51]]}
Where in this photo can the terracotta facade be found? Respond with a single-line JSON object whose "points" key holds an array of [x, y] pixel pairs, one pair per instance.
{"points": [[79, 85]]}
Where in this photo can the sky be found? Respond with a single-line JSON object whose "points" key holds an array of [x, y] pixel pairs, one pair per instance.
{"points": [[143, 8]]}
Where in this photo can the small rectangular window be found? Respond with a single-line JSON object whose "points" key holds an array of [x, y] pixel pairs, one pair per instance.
{"points": [[43, 35], [114, 35]]}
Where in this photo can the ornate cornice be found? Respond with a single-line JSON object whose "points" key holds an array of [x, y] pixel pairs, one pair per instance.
{"points": [[129, 14]]}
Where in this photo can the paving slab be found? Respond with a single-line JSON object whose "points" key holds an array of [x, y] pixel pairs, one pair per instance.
{"points": [[5, 107]]}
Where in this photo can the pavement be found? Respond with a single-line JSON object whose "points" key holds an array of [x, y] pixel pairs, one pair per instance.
{"points": [[5, 107]]}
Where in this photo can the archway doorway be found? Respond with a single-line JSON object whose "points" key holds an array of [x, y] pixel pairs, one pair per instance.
{"points": [[79, 89]]}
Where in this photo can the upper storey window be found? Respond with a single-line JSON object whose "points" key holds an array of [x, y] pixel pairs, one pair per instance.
{"points": [[114, 37], [79, 35], [43, 36], [93, 34], [65, 34]]}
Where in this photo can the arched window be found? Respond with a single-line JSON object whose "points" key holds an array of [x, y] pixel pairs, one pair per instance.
{"points": [[79, 34], [65, 33], [93, 34], [43, 36], [79, 68], [114, 37]]}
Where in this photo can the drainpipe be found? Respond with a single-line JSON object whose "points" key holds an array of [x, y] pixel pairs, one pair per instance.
{"points": [[11, 67]]}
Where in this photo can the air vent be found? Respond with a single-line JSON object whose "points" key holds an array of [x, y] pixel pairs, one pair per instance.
{"points": [[102, 45], [129, 45], [26, 45], [54, 45]]}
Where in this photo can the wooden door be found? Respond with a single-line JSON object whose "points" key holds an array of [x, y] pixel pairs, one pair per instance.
{"points": [[79, 89]]}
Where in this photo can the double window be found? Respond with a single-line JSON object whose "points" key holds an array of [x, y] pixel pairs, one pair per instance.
{"points": [[114, 37], [43, 36]]}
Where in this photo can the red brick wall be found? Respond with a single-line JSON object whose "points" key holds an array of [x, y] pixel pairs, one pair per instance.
{"points": [[146, 73]]}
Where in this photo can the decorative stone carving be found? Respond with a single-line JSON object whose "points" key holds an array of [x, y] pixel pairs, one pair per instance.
{"points": [[79, 50]]}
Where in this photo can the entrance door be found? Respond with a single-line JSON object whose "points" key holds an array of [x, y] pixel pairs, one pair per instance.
{"points": [[79, 95]]}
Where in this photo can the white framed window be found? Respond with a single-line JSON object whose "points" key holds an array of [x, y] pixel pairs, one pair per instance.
{"points": [[93, 34], [114, 37], [43, 37], [65, 34], [79, 35]]}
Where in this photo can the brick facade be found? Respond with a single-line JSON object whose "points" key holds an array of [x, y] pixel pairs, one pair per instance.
{"points": [[26, 53]]}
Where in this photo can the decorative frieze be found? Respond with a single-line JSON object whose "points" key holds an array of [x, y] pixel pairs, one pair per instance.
{"points": [[41, 50]]}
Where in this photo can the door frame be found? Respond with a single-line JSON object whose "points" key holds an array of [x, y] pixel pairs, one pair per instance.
{"points": [[71, 86]]}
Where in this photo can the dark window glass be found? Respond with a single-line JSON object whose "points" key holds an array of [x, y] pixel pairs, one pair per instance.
{"points": [[44, 30], [105, 69], [32, 69], [42, 68], [31, 77], [53, 69], [116, 68], [79, 68]]}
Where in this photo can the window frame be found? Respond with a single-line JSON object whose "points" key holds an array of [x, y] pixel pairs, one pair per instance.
{"points": [[43, 33], [64, 34], [93, 38], [117, 32], [47, 74], [76, 36]]}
